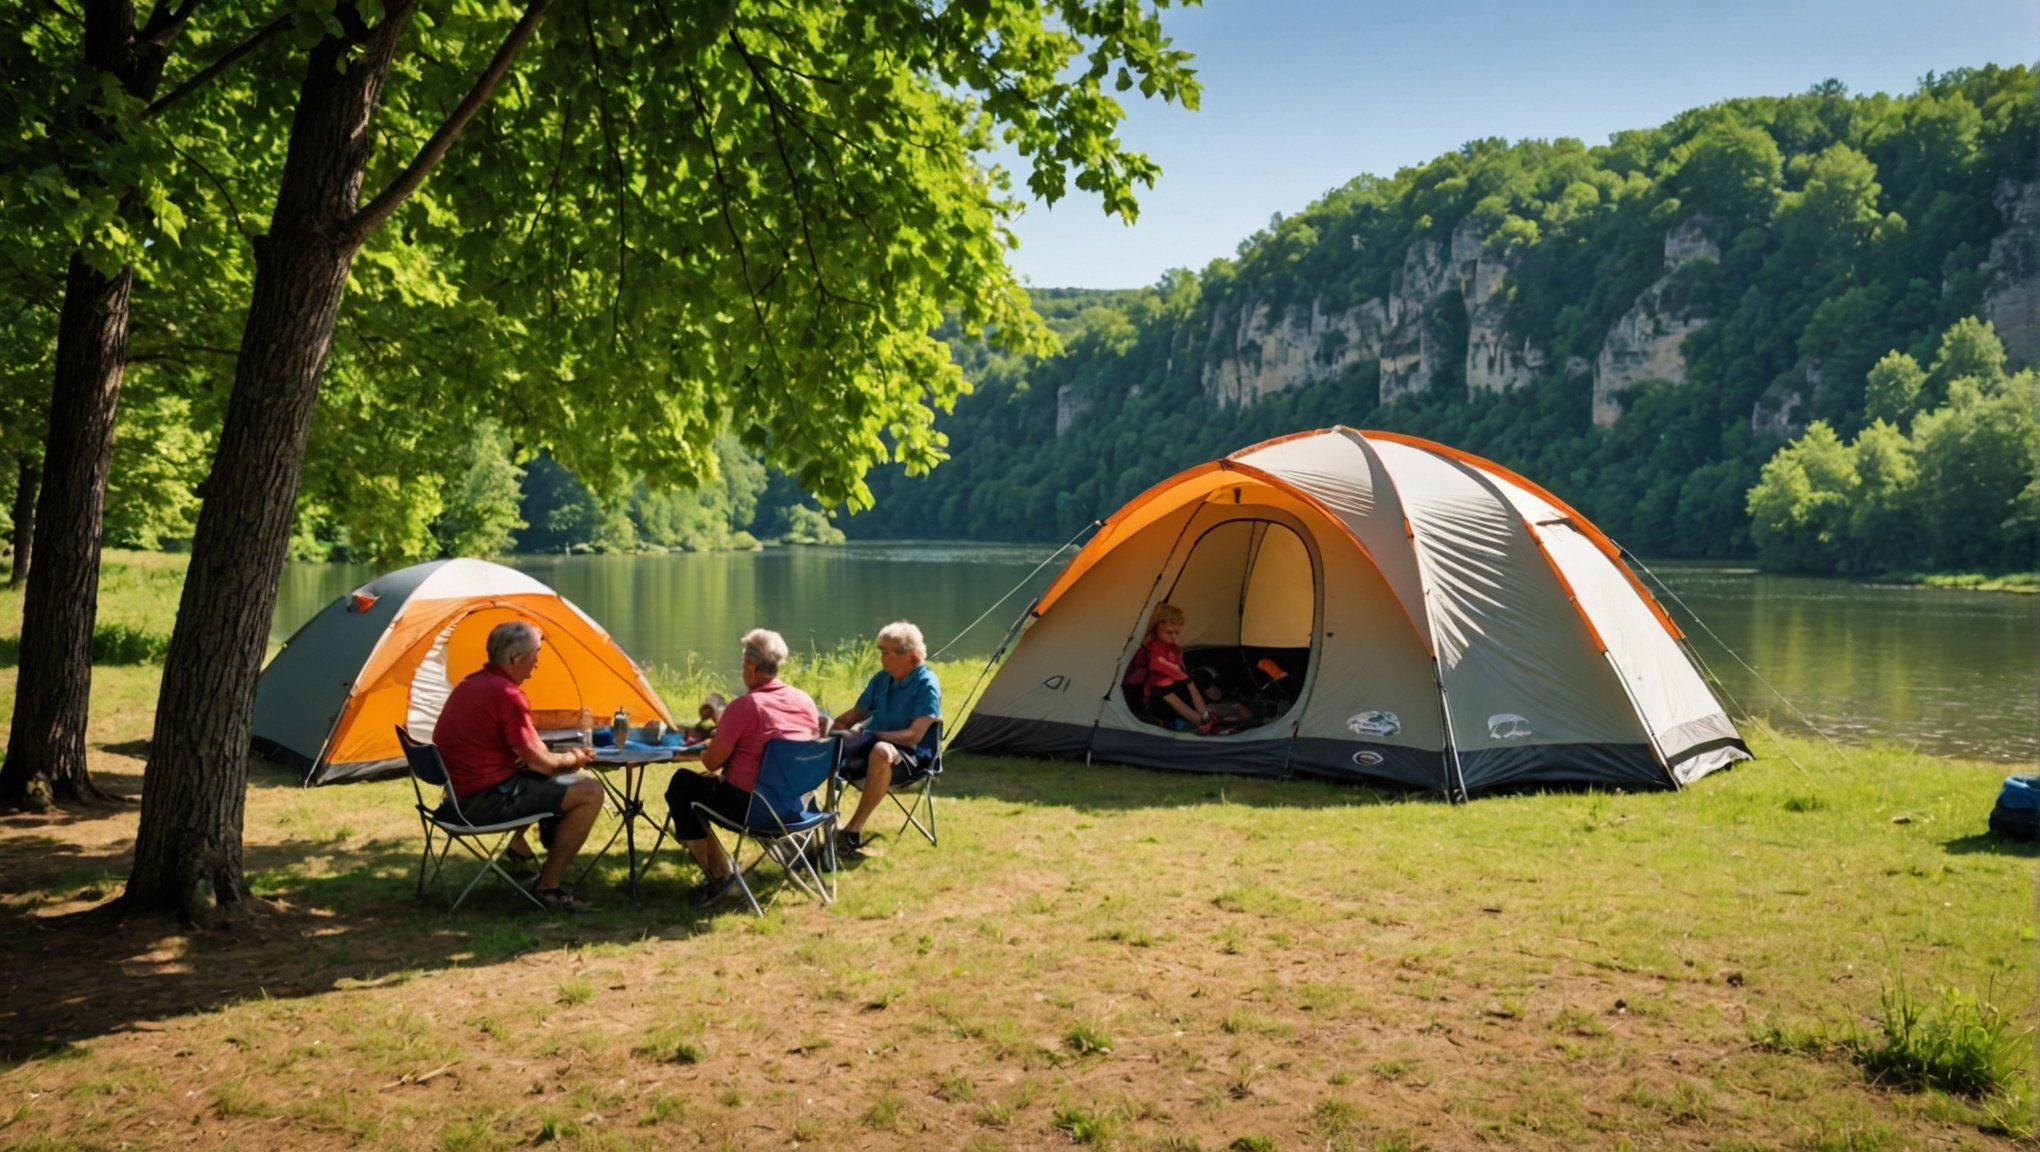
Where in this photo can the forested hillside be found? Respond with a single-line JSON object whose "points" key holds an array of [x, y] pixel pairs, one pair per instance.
{"points": [[1638, 325]]}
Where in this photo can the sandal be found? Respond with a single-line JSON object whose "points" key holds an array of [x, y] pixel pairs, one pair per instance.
{"points": [[561, 900], [519, 865]]}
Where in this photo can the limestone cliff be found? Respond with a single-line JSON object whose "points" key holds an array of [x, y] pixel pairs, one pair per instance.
{"points": [[1255, 352], [1264, 353], [1646, 343], [2012, 304], [1070, 406], [1493, 362]]}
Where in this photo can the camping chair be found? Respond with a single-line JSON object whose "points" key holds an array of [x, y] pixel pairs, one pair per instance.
{"points": [[920, 783], [785, 829], [483, 841]]}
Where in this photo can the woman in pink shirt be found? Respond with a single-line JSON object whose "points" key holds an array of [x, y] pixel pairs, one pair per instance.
{"points": [[767, 711]]}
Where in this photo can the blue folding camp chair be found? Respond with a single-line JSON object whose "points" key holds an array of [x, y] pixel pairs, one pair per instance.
{"points": [[784, 827], [920, 784], [483, 841]]}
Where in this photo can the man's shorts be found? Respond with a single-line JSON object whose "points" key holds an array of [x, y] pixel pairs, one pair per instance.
{"points": [[522, 795], [857, 756]]}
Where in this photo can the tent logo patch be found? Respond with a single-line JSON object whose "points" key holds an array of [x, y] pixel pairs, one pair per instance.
{"points": [[1367, 759], [1374, 723], [1507, 726]]}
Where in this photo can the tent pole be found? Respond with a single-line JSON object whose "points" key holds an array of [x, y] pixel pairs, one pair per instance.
{"points": [[1656, 750]]}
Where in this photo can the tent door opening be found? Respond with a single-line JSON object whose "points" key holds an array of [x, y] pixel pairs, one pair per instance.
{"points": [[1248, 589]]}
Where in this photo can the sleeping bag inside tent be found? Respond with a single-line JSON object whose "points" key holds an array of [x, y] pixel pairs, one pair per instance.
{"points": [[1366, 606], [388, 653]]}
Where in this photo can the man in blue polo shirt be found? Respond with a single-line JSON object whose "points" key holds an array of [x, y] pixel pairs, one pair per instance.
{"points": [[896, 710]]}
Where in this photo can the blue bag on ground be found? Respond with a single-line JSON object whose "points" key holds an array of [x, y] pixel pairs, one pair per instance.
{"points": [[2017, 814]]}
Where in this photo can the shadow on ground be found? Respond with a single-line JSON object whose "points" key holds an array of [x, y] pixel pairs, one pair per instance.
{"points": [[1993, 844], [78, 975]]}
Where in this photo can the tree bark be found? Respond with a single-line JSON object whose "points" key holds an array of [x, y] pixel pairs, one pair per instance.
{"points": [[27, 484], [188, 847], [45, 762]]}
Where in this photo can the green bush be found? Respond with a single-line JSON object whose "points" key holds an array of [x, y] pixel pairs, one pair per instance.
{"points": [[120, 644], [1967, 1046]]}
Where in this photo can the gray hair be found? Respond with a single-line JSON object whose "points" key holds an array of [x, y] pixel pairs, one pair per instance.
{"points": [[899, 634], [511, 639], [764, 650]]}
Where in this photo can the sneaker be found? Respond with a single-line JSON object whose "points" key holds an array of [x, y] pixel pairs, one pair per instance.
{"points": [[520, 866], [849, 843], [711, 890], [789, 857], [561, 900]]}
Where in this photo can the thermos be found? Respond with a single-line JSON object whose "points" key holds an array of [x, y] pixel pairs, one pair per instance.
{"points": [[619, 727]]}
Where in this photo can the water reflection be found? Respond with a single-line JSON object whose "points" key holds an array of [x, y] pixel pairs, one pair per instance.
{"points": [[1951, 672]]}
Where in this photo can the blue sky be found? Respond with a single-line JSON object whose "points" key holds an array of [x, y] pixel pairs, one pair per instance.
{"points": [[1302, 95]]}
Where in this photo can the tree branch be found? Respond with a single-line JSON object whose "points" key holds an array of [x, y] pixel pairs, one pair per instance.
{"points": [[413, 177], [164, 25], [602, 119], [226, 61], [729, 222], [226, 193]]}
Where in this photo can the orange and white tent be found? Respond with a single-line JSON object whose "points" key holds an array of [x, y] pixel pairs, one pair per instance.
{"points": [[387, 654], [1368, 606]]}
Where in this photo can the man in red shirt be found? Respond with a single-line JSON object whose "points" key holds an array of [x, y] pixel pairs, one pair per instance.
{"points": [[499, 769], [765, 712]]}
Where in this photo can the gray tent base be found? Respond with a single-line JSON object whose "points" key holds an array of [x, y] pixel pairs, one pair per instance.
{"points": [[1619, 766], [301, 766], [1355, 761]]}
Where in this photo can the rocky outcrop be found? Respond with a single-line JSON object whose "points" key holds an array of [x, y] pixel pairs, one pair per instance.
{"points": [[1256, 352], [1410, 350], [1691, 240], [2012, 304], [1413, 351], [1647, 342], [1266, 354], [1070, 406], [1773, 416], [1494, 363]]}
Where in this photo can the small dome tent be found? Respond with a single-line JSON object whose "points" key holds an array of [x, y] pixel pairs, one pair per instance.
{"points": [[1372, 607], [388, 653]]}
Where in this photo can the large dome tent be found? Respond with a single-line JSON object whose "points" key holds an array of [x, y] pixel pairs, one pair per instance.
{"points": [[1375, 607], [387, 654]]}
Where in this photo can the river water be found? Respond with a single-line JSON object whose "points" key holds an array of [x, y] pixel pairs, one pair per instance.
{"points": [[1953, 673]]}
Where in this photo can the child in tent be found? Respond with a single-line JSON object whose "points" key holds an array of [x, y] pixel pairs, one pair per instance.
{"points": [[711, 711], [1157, 683]]}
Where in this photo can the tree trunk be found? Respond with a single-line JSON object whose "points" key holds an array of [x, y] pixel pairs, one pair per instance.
{"points": [[27, 483], [46, 745], [45, 762], [188, 847]]}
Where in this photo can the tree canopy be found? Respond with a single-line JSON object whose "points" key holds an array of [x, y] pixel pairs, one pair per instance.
{"points": [[667, 225]]}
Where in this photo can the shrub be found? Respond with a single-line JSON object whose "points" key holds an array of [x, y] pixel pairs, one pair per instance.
{"points": [[1967, 1046]]}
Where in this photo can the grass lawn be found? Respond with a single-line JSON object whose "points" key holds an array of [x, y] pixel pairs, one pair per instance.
{"points": [[1097, 955]]}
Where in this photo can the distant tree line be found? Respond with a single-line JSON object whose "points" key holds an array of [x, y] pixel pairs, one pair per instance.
{"points": [[1942, 478], [1847, 228], [474, 500]]}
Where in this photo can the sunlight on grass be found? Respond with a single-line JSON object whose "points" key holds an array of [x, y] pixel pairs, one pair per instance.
{"points": [[1285, 961]]}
